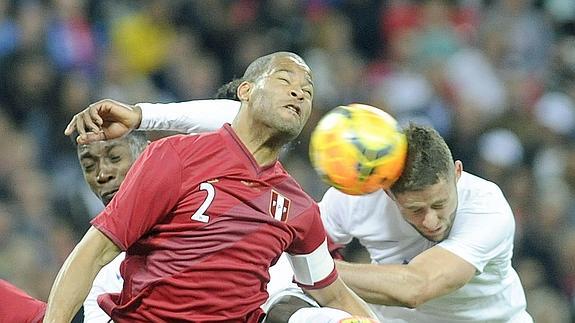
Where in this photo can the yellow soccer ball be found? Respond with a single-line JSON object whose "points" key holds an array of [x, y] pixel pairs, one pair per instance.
{"points": [[358, 149]]}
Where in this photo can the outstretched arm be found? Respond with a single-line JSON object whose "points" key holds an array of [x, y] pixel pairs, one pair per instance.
{"points": [[433, 273], [109, 119], [77, 274]]}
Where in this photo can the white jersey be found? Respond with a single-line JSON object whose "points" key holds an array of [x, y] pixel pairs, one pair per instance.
{"points": [[482, 234], [108, 280]]}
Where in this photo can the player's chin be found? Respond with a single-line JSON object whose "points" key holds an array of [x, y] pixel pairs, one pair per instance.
{"points": [[439, 237], [357, 319], [290, 131], [435, 237]]}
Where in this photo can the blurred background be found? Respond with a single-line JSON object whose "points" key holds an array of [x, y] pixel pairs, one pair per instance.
{"points": [[496, 78]]}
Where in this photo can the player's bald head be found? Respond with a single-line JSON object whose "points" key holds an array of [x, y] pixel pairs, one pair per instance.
{"points": [[263, 65]]}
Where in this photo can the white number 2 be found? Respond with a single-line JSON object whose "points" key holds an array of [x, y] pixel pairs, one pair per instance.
{"points": [[199, 215]]}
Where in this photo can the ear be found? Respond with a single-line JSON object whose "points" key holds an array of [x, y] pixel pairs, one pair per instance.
{"points": [[244, 90], [458, 169]]}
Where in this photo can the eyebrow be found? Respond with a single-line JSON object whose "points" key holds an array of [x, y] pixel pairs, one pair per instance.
{"points": [[111, 146], [420, 205], [307, 75], [87, 154]]}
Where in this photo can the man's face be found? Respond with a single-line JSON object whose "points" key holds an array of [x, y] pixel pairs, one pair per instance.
{"points": [[105, 165], [282, 97], [432, 210]]}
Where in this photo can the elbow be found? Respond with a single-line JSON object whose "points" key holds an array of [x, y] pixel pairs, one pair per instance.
{"points": [[412, 302]]}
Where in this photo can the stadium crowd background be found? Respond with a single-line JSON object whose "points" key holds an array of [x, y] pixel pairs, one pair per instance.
{"points": [[496, 78]]}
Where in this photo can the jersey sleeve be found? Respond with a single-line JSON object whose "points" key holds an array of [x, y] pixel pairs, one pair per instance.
{"points": [[108, 280], [17, 306], [150, 190], [309, 254], [482, 230], [189, 117], [333, 209]]}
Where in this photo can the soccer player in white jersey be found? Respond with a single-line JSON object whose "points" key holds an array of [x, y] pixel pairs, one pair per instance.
{"points": [[440, 240]]}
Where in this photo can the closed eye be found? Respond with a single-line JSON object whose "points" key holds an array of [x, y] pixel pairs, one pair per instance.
{"points": [[88, 167], [416, 211]]}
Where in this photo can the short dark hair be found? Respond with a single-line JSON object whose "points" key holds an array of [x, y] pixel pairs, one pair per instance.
{"points": [[138, 141], [229, 90], [428, 160]]}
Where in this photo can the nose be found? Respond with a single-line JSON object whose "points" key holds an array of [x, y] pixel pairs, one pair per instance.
{"points": [[298, 94], [105, 174], [431, 220]]}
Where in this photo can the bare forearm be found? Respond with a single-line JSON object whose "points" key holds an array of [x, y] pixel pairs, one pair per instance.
{"points": [[352, 304], [385, 285], [68, 292], [75, 278], [431, 274], [341, 297]]}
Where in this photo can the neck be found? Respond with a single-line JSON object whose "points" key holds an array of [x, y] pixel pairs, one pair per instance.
{"points": [[263, 142]]}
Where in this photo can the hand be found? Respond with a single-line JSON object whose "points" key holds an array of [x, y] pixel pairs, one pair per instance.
{"points": [[103, 120]]}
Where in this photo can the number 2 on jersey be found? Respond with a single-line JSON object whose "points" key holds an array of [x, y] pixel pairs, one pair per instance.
{"points": [[199, 214]]}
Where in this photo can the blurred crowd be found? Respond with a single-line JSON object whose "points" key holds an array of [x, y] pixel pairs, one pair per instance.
{"points": [[496, 78]]}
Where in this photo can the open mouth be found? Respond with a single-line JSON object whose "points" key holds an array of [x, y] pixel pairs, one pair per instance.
{"points": [[296, 109]]}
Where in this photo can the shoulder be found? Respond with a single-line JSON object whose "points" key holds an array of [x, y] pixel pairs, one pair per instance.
{"points": [[482, 208], [335, 200], [476, 192], [176, 140], [477, 184], [185, 142]]}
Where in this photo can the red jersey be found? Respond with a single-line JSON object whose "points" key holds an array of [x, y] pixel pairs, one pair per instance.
{"points": [[201, 223], [17, 306]]}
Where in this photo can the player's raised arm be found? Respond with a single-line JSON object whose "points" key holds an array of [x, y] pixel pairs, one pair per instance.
{"points": [[109, 119], [77, 274]]}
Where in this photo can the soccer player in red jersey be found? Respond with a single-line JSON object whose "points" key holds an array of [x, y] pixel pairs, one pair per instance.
{"points": [[202, 218]]}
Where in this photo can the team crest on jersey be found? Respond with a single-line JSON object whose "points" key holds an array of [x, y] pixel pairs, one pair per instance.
{"points": [[279, 206]]}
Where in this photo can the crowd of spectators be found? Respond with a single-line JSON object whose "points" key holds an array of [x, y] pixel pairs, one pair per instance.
{"points": [[496, 78]]}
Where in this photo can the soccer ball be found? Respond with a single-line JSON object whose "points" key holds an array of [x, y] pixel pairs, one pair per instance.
{"points": [[358, 149]]}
